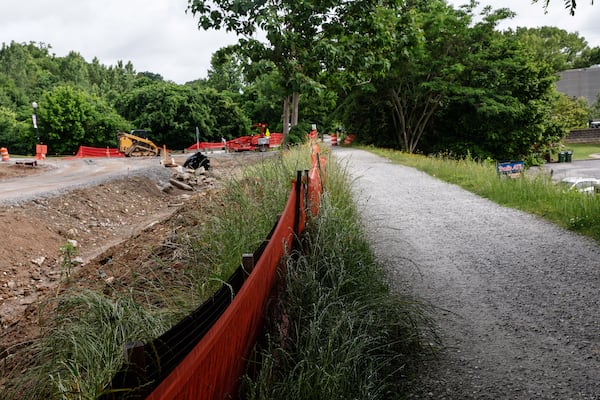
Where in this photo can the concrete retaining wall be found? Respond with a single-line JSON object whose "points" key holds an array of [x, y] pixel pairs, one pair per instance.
{"points": [[584, 136]]}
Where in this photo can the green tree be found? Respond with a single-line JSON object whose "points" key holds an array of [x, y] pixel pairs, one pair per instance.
{"points": [[570, 113], [471, 90], [15, 135], [172, 112], [226, 71], [69, 118], [587, 58], [300, 35], [554, 46], [63, 113]]}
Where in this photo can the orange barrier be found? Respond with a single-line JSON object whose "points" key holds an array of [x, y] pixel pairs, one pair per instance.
{"points": [[334, 139], [205, 146], [212, 368], [89, 152], [40, 151], [4, 153], [349, 139], [242, 143]]}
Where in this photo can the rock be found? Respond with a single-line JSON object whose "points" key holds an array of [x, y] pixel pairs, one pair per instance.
{"points": [[35, 275], [72, 233], [12, 285], [180, 185], [200, 171], [39, 261], [73, 242], [166, 187]]}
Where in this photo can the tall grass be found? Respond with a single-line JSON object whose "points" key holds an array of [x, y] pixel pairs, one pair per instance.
{"points": [[343, 333], [534, 193], [85, 330]]}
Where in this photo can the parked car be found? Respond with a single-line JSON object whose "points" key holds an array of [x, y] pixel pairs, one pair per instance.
{"points": [[581, 184]]}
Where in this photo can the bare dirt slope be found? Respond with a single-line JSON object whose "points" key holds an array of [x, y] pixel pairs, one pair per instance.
{"points": [[115, 212], [516, 298]]}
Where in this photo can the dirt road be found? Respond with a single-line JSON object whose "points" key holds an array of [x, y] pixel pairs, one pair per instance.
{"points": [[60, 175], [516, 298]]}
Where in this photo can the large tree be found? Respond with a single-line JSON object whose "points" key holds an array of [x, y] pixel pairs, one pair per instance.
{"points": [[298, 37], [554, 46], [457, 86], [172, 112], [69, 117]]}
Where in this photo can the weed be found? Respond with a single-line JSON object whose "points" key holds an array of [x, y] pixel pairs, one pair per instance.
{"points": [[68, 253]]}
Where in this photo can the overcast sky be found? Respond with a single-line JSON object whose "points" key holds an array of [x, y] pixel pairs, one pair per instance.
{"points": [[158, 36]]}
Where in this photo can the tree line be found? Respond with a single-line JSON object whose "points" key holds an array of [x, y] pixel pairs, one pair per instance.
{"points": [[420, 76]]}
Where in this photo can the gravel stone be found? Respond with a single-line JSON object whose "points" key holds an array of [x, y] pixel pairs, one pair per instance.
{"points": [[516, 299]]}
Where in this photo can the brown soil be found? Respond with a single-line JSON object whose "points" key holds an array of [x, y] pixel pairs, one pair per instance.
{"points": [[115, 227]]}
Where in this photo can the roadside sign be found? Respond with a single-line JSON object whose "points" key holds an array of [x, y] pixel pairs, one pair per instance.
{"points": [[511, 169]]}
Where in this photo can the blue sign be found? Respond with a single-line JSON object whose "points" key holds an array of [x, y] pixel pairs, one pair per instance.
{"points": [[513, 169]]}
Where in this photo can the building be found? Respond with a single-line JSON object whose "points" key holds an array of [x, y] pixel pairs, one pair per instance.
{"points": [[581, 82]]}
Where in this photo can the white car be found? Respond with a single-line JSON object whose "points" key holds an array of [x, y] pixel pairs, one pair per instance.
{"points": [[584, 185]]}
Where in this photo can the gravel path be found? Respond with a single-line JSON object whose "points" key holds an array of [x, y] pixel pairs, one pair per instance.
{"points": [[517, 299]]}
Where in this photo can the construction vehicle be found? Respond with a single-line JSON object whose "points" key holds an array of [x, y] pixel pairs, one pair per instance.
{"points": [[137, 144]]}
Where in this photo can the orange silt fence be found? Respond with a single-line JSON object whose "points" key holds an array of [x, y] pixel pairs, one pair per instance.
{"points": [[205, 355]]}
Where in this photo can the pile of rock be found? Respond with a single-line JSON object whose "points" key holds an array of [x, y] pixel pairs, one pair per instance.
{"points": [[189, 179]]}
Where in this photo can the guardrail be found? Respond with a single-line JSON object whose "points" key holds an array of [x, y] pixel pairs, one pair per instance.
{"points": [[204, 355]]}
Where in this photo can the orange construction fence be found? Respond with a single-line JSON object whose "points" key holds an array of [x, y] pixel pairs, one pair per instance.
{"points": [[202, 359], [88, 152]]}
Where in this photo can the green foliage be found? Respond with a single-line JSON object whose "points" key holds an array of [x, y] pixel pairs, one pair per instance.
{"points": [[172, 112], [553, 46], [69, 118], [343, 333], [298, 133], [15, 135]]}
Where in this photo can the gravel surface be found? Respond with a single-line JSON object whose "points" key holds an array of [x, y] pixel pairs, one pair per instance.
{"points": [[516, 299], [58, 176]]}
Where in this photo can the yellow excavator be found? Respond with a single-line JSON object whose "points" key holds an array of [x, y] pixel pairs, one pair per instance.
{"points": [[136, 143]]}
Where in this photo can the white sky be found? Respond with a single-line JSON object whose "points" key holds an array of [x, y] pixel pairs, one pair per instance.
{"points": [[158, 36]]}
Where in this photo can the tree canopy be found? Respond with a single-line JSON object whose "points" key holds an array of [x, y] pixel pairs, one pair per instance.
{"points": [[416, 75]]}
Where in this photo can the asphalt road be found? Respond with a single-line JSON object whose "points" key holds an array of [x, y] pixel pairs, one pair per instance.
{"points": [[582, 168]]}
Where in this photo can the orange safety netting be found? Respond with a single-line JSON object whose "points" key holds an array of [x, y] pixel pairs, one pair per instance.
{"points": [[213, 368], [214, 359], [88, 152]]}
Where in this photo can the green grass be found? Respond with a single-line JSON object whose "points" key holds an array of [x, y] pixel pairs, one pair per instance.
{"points": [[583, 151], [342, 332], [534, 193]]}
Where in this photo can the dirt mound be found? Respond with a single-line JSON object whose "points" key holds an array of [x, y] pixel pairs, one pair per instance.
{"points": [[109, 229]]}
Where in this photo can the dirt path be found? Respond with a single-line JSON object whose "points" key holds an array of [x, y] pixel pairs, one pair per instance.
{"points": [[517, 299], [61, 175]]}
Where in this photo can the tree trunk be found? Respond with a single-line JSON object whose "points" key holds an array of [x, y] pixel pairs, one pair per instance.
{"points": [[295, 97], [286, 117]]}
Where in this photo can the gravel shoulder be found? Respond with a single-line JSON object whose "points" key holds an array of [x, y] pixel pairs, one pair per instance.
{"points": [[516, 299]]}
